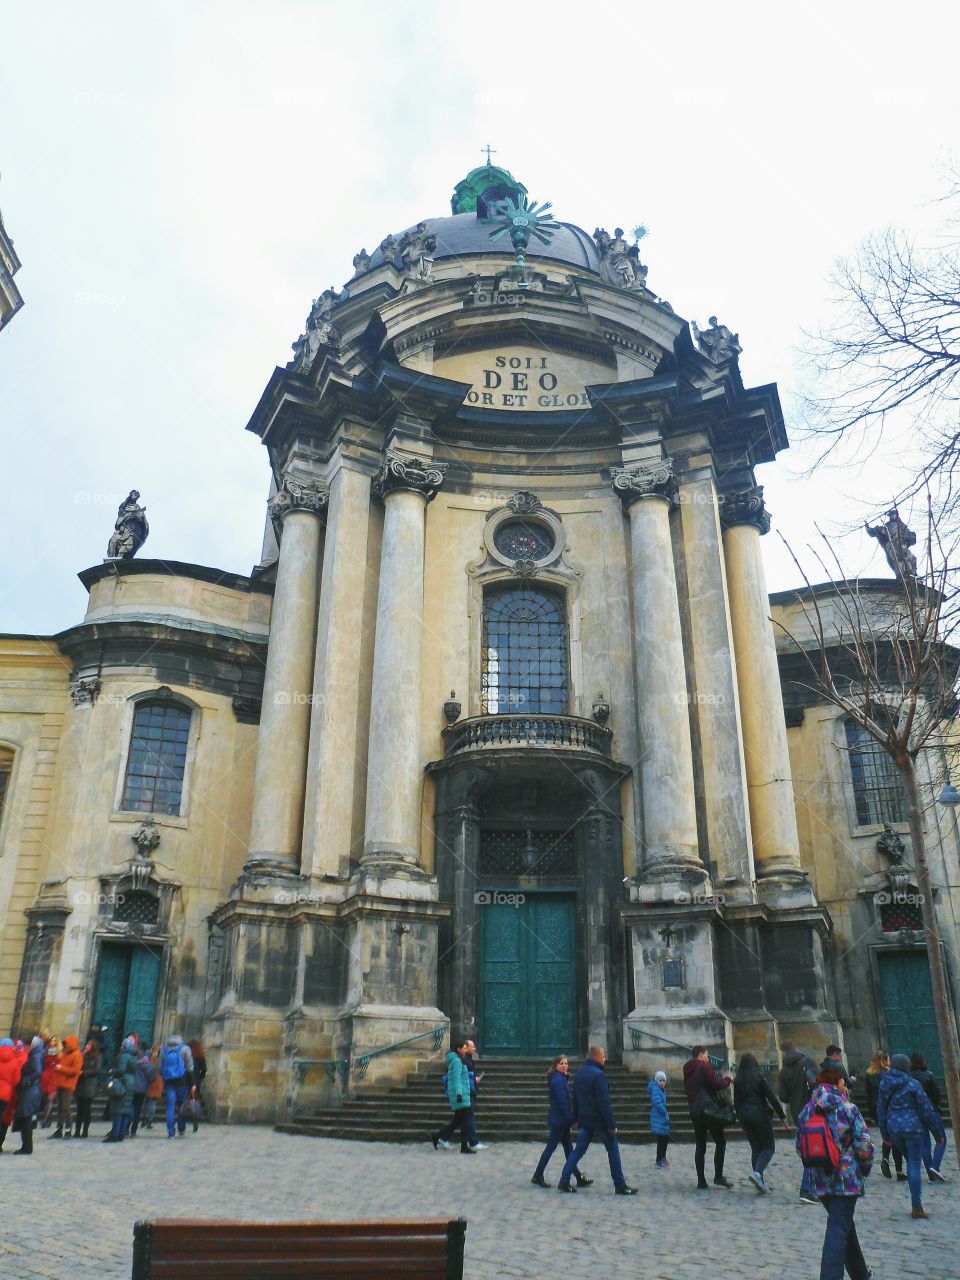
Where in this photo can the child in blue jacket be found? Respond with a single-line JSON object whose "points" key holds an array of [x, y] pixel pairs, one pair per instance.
{"points": [[660, 1117]]}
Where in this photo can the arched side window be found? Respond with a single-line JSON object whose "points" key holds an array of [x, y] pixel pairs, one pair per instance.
{"points": [[157, 758], [6, 769], [524, 664], [878, 790]]}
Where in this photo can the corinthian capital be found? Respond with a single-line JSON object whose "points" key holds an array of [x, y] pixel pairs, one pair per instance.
{"points": [[655, 480], [406, 471], [297, 495], [745, 507]]}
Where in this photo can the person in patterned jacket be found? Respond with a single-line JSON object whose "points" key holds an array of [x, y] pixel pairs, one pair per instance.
{"points": [[839, 1191]]}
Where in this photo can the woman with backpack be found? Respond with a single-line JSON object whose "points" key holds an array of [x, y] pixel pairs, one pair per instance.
{"points": [[120, 1090], [837, 1153], [176, 1067], [906, 1117], [754, 1101], [560, 1120]]}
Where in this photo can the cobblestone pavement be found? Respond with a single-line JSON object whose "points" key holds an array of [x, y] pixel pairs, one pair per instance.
{"points": [[69, 1211]]}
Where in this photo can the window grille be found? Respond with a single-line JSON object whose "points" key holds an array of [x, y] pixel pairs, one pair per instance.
{"points": [[524, 657], [878, 789], [136, 908], [518, 540], [6, 768], [901, 911], [526, 853], [157, 760]]}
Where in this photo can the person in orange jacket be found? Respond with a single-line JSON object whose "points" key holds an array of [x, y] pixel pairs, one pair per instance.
{"points": [[11, 1065], [154, 1090], [48, 1081], [68, 1073]]}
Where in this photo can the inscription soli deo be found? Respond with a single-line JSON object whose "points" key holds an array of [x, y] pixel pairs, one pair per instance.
{"points": [[526, 382]]}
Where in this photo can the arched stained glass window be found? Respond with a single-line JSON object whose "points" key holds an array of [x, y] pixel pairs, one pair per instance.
{"points": [[524, 658], [158, 758], [878, 789]]}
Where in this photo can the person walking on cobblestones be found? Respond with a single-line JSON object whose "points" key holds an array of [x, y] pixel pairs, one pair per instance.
{"points": [[838, 1189], [660, 1117], [753, 1101], [932, 1156], [906, 1116], [29, 1096], [703, 1085], [154, 1089], [86, 1089], [461, 1102], [878, 1065], [176, 1068], [48, 1083], [11, 1068], [120, 1090], [594, 1113], [143, 1076], [798, 1073], [560, 1120]]}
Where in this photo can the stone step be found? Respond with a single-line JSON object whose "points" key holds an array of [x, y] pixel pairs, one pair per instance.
{"points": [[368, 1131]]}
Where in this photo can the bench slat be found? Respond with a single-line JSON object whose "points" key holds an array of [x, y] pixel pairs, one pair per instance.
{"points": [[427, 1246]]}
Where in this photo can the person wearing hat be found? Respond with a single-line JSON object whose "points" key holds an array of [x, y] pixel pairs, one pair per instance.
{"points": [[11, 1065], [906, 1115], [660, 1117]]}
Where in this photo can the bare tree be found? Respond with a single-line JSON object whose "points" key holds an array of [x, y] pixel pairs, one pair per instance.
{"points": [[892, 668], [893, 348]]}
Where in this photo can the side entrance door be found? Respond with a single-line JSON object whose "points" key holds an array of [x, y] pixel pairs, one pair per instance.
{"points": [[908, 1006], [528, 975], [126, 998]]}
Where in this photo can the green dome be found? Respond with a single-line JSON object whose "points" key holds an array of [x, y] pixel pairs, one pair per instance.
{"points": [[481, 187]]}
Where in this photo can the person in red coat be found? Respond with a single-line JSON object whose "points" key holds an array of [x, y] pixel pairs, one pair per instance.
{"points": [[11, 1065], [702, 1084], [48, 1081], [68, 1073]]}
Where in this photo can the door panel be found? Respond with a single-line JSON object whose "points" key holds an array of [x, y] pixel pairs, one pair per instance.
{"points": [[528, 976], [908, 1006], [111, 998], [142, 993]]}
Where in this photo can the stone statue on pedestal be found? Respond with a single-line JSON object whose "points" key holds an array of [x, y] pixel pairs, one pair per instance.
{"points": [[717, 342], [131, 529], [416, 253], [320, 332], [620, 264]]}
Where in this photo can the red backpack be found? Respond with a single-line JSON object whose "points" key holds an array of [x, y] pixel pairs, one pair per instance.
{"points": [[816, 1143]]}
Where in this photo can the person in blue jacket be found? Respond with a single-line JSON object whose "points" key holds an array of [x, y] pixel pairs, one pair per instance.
{"points": [[660, 1117], [594, 1114], [905, 1115], [461, 1102], [560, 1120]]}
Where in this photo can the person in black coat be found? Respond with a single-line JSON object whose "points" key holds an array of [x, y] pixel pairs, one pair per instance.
{"points": [[753, 1101], [560, 1119], [29, 1096], [932, 1156], [879, 1064]]}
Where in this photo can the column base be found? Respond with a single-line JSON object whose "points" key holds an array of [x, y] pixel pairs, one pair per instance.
{"points": [[672, 862], [271, 864]]}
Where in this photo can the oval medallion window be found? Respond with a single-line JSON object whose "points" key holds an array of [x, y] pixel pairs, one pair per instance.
{"points": [[523, 540]]}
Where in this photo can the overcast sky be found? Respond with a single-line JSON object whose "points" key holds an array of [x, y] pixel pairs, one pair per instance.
{"points": [[181, 182]]}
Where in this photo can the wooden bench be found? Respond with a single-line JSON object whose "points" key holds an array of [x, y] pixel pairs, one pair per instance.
{"points": [[190, 1249]]}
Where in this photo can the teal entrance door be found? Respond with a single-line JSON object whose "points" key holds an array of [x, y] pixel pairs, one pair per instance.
{"points": [[908, 1006], [126, 997], [528, 975]]}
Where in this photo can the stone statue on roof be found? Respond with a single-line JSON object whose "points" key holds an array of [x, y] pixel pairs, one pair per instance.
{"points": [[620, 264], [717, 342], [320, 332], [131, 529], [896, 538], [417, 248]]}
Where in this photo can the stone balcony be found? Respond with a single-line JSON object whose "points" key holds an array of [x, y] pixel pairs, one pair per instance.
{"points": [[499, 733]]}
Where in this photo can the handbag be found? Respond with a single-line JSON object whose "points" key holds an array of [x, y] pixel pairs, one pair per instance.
{"points": [[192, 1109], [710, 1108], [116, 1088]]}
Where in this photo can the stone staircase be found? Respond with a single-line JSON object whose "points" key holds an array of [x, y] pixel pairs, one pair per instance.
{"points": [[512, 1107]]}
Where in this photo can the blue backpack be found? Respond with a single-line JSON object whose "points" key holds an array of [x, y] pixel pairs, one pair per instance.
{"points": [[171, 1066]]}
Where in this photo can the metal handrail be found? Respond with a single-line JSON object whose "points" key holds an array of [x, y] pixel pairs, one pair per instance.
{"points": [[534, 729], [363, 1062], [637, 1032], [343, 1066]]}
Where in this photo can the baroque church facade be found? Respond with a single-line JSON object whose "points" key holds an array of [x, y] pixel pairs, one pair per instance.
{"points": [[497, 739]]}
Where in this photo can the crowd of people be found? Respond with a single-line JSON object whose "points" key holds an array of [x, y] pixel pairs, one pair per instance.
{"points": [[831, 1135], [49, 1081]]}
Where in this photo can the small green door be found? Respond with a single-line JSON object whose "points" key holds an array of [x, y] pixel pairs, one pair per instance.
{"points": [[126, 997], [528, 976], [908, 1006]]}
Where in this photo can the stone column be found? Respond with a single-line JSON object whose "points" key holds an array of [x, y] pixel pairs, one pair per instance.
{"points": [[716, 709], [666, 757], [333, 767], [776, 845], [392, 830], [280, 778]]}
